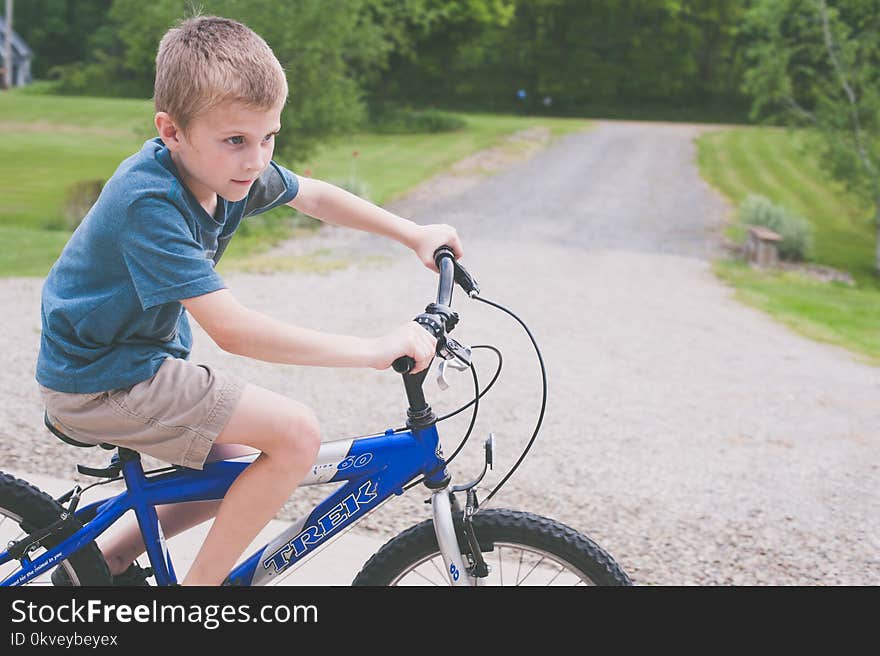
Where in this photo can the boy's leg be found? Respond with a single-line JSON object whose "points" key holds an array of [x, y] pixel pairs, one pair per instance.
{"points": [[287, 434]]}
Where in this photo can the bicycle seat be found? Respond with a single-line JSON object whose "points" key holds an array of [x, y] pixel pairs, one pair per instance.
{"points": [[55, 428]]}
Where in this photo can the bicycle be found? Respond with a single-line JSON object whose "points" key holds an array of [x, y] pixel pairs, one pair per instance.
{"points": [[464, 546]]}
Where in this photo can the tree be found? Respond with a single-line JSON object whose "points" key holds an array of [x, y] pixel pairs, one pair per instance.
{"points": [[587, 55], [58, 31], [811, 63], [323, 46], [422, 68], [328, 48]]}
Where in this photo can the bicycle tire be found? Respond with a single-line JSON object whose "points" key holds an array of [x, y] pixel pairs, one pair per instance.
{"points": [[24, 509], [402, 559]]}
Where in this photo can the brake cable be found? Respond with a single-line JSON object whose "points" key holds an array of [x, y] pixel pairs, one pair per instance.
{"points": [[475, 402], [473, 292], [476, 387], [543, 399]]}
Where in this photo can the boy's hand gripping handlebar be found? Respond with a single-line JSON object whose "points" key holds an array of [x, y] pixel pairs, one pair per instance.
{"points": [[438, 318]]}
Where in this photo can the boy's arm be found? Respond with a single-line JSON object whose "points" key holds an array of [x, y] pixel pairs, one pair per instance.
{"points": [[336, 206], [246, 332]]}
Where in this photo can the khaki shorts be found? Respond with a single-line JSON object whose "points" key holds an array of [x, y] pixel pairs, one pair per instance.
{"points": [[175, 416]]}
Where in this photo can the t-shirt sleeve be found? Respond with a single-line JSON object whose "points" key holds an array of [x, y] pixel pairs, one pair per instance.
{"points": [[164, 260], [276, 186]]}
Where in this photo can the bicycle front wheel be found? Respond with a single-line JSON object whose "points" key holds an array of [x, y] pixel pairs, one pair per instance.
{"points": [[520, 548], [23, 510]]}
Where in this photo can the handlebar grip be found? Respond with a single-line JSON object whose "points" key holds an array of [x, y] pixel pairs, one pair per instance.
{"points": [[403, 364], [441, 252], [460, 274]]}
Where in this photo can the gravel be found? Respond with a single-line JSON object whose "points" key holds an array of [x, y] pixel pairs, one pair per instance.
{"points": [[695, 439]]}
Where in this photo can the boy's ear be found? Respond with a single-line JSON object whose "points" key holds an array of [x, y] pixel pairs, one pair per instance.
{"points": [[168, 130]]}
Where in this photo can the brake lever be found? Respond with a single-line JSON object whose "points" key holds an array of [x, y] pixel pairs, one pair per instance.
{"points": [[465, 280], [456, 353], [456, 356]]}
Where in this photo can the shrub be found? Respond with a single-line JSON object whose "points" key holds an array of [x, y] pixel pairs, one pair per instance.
{"points": [[403, 120], [103, 76], [38, 88], [797, 237], [78, 200]]}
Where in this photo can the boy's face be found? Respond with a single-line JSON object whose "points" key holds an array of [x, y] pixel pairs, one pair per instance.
{"points": [[224, 150]]}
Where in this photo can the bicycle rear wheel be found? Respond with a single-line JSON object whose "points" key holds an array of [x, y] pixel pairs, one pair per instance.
{"points": [[520, 548], [23, 510]]}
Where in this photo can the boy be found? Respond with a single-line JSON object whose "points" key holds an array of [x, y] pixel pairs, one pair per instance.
{"points": [[113, 361]]}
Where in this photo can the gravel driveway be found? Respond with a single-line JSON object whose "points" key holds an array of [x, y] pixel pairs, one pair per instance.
{"points": [[694, 438]]}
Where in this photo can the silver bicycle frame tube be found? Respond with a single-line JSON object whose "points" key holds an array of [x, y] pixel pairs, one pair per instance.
{"points": [[446, 540]]}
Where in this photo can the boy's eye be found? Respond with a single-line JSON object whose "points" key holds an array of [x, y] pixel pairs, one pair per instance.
{"points": [[238, 140]]}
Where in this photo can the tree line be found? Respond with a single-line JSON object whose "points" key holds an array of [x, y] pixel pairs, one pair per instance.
{"points": [[806, 62], [571, 57]]}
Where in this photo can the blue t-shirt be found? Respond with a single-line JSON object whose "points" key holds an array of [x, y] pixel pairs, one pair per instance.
{"points": [[111, 309]]}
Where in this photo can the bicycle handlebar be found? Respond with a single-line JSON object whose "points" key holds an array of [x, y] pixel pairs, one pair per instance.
{"points": [[445, 261], [438, 318]]}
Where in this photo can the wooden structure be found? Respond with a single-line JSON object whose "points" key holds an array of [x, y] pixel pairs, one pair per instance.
{"points": [[21, 58], [762, 246]]}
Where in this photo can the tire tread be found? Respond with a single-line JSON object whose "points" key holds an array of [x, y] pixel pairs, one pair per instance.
{"points": [[37, 509], [542, 532]]}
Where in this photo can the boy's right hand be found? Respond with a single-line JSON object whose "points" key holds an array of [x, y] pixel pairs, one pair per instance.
{"points": [[410, 339]]}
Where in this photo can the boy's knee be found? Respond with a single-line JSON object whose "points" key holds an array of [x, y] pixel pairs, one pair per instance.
{"points": [[310, 433], [302, 431]]}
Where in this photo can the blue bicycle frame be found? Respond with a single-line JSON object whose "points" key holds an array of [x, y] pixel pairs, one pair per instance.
{"points": [[375, 467]]}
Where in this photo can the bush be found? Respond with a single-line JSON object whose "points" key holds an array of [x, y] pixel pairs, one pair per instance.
{"points": [[78, 200], [38, 88], [797, 237], [403, 120], [104, 77]]}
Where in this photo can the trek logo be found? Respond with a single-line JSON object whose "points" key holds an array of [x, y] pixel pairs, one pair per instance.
{"points": [[345, 509]]}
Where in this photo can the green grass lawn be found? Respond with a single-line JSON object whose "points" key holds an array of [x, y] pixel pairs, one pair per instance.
{"points": [[29, 252], [50, 143], [783, 166], [828, 312]]}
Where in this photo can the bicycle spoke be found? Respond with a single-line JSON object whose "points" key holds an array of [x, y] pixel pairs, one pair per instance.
{"points": [[500, 567], [439, 571], [533, 569], [530, 561], [19, 532], [415, 571], [550, 582]]}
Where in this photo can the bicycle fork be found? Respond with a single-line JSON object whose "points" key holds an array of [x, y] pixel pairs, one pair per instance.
{"points": [[444, 527]]}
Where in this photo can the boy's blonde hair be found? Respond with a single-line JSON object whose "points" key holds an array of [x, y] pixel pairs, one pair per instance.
{"points": [[208, 60]]}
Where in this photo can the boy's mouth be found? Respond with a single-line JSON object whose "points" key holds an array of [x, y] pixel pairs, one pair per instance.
{"points": [[243, 182]]}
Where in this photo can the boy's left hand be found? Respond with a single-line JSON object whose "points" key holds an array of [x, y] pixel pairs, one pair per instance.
{"points": [[429, 238]]}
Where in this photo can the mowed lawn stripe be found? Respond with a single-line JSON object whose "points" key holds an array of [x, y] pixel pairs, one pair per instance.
{"points": [[785, 167]]}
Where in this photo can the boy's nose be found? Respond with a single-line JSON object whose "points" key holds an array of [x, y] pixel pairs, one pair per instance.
{"points": [[253, 162]]}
